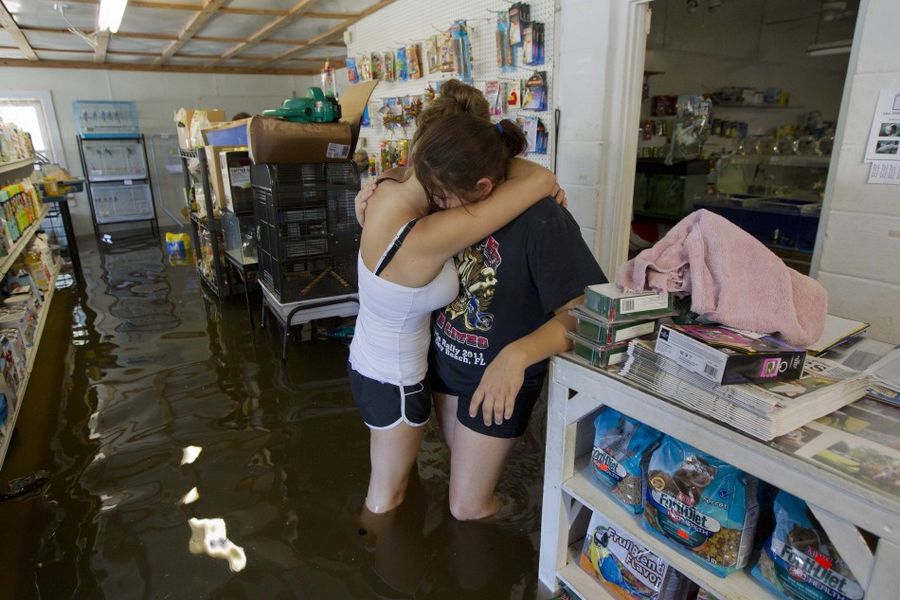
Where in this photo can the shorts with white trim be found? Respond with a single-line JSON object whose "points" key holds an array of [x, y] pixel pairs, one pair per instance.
{"points": [[385, 405]]}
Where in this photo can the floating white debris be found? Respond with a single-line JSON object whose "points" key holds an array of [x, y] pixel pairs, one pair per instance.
{"points": [[190, 454], [191, 497], [208, 536]]}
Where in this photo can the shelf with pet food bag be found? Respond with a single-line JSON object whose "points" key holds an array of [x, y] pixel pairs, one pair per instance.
{"points": [[845, 509], [20, 244], [31, 354]]}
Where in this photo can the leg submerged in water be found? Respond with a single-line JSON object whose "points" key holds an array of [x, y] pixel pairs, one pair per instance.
{"points": [[393, 453]]}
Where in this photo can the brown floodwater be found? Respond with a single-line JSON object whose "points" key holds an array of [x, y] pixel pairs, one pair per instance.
{"points": [[144, 362]]}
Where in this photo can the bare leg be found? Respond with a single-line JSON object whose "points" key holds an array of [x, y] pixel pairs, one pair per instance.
{"points": [[445, 411], [393, 453], [476, 464]]}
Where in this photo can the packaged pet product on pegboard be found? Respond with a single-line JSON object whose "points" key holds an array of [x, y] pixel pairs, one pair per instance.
{"points": [[390, 73], [703, 504], [462, 51], [504, 48], [445, 51], [535, 133], [364, 64], [392, 113], [400, 66], [352, 72], [494, 96], [378, 66], [519, 14], [535, 97], [414, 61], [533, 43], [432, 48], [394, 153]]}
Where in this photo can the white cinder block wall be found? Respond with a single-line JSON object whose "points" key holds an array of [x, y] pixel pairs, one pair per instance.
{"points": [[858, 252], [580, 80], [158, 95]]}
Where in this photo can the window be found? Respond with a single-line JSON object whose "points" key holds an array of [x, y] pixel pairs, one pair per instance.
{"points": [[33, 112]]}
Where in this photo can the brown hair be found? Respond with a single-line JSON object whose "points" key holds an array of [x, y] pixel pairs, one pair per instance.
{"points": [[454, 152], [456, 97]]}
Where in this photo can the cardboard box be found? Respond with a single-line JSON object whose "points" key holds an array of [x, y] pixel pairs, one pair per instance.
{"points": [[600, 331], [236, 181], [613, 304], [272, 140], [189, 135], [726, 356], [226, 133], [213, 163]]}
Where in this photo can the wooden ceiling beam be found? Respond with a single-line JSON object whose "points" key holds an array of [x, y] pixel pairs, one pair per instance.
{"points": [[267, 29], [324, 37], [258, 12], [12, 28], [168, 37], [194, 25], [148, 67], [102, 47], [336, 61]]}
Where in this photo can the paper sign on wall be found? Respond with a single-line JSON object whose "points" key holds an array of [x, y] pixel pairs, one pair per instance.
{"points": [[884, 171], [884, 137]]}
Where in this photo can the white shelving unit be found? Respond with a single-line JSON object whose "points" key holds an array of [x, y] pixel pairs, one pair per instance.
{"points": [[10, 425], [842, 506]]}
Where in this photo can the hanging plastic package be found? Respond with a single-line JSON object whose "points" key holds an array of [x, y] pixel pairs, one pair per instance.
{"points": [[799, 562]]}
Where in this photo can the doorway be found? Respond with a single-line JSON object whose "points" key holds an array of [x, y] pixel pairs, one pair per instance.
{"points": [[738, 114]]}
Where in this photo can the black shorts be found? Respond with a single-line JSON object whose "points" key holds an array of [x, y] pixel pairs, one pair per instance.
{"points": [[513, 427], [385, 405]]}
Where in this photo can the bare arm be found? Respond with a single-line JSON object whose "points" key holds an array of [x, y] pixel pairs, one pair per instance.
{"points": [[502, 379], [446, 232]]}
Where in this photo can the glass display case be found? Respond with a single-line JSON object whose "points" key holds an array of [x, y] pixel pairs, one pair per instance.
{"points": [[240, 235], [785, 176]]}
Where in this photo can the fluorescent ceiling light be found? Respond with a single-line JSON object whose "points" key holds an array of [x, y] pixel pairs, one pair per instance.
{"points": [[111, 13], [842, 47]]}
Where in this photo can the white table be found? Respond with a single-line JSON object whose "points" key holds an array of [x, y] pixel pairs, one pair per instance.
{"points": [[304, 311], [841, 504]]}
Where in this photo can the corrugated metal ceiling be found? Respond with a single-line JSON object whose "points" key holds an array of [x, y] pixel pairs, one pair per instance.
{"points": [[153, 34]]}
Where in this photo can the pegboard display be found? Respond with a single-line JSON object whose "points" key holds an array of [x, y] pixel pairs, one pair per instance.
{"points": [[409, 22]]}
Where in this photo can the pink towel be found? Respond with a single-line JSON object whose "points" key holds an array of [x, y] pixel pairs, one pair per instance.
{"points": [[732, 278]]}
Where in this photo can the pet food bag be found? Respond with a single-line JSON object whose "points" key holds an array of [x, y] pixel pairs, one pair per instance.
{"points": [[799, 562], [627, 569], [703, 504], [620, 446]]}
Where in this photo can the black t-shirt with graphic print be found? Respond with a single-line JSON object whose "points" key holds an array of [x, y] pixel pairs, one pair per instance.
{"points": [[510, 284]]}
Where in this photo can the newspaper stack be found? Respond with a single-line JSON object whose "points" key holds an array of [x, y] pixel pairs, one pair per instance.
{"points": [[764, 411]]}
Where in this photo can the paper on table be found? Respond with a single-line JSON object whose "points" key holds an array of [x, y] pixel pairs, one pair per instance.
{"points": [[887, 370], [836, 330]]}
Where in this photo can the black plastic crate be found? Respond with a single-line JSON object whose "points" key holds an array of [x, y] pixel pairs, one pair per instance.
{"points": [[308, 234], [323, 276]]}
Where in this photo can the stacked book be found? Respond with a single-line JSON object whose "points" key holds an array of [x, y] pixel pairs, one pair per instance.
{"points": [[609, 318], [756, 384]]}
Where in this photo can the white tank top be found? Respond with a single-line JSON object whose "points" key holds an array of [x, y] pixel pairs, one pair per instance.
{"points": [[393, 328]]}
